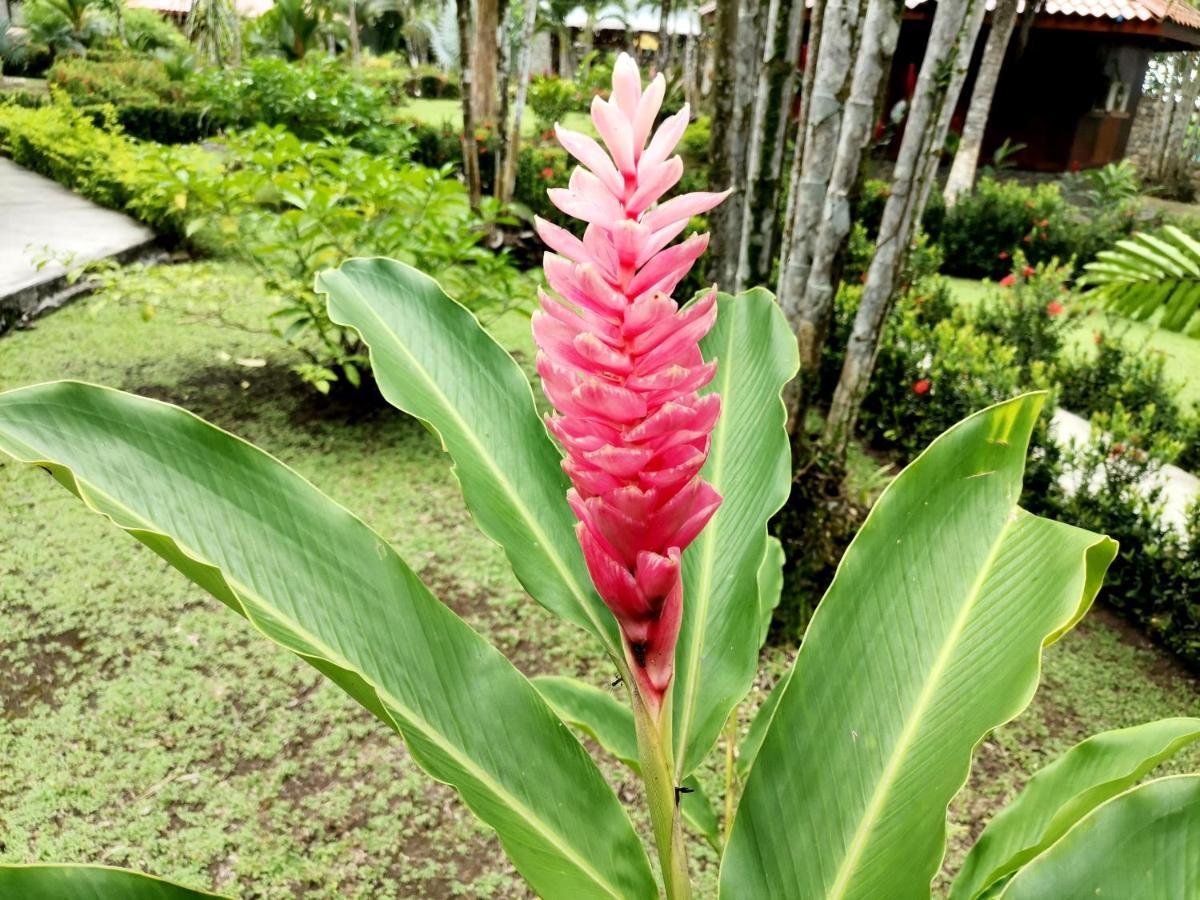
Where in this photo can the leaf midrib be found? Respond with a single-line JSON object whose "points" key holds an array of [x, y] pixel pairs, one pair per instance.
{"points": [[912, 724], [514, 496], [329, 655]]}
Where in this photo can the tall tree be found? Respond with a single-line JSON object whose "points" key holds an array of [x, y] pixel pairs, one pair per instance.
{"points": [[215, 30], [663, 57], [470, 149], [1182, 89], [508, 175], [827, 217], [775, 92], [739, 55], [962, 172], [485, 59], [943, 71]]}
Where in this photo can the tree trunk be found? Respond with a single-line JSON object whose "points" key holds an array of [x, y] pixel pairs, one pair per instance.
{"points": [[872, 62], [470, 150], [508, 177], [832, 72], [566, 67], [808, 52], [504, 74], [1174, 160], [776, 89], [739, 54], [943, 71], [691, 66], [355, 42], [485, 60], [663, 57], [962, 171]]}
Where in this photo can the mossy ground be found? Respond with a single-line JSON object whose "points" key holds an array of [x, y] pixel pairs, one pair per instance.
{"points": [[144, 725]]}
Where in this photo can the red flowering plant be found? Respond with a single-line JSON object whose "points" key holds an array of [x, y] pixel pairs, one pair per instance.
{"points": [[638, 512], [1032, 312]]}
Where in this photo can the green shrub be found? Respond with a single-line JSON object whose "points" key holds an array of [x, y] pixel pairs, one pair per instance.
{"points": [[1155, 581], [551, 98], [984, 229], [1031, 311]]}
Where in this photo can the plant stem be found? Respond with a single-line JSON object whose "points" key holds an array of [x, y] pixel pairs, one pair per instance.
{"points": [[654, 749], [730, 774]]}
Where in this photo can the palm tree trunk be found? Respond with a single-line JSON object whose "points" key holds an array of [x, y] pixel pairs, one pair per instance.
{"points": [[768, 135], [663, 57], [962, 172], [1174, 160], [943, 71], [809, 53], [470, 150], [872, 62], [485, 59], [355, 39], [740, 41], [508, 177]]}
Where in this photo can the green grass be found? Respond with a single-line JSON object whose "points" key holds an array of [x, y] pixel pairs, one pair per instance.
{"points": [[1182, 353], [439, 112], [144, 725]]}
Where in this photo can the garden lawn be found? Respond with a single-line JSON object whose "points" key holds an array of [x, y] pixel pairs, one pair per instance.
{"points": [[1182, 354], [145, 725], [438, 112]]}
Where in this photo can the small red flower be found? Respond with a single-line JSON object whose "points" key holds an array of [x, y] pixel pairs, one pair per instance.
{"points": [[1097, 337], [1075, 166], [1004, 254], [1028, 270], [547, 173], [1043, 223], [1053, 308], [1028, 238], [921, 386], [1008, 280]]}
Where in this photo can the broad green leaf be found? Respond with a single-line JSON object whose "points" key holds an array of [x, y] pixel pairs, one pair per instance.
{"points": [[315, 579], [609, 722], [749, 464], [68, 882], [1064, 792], [434, 360], [770, 586], [1141, 845], [929, 636]]}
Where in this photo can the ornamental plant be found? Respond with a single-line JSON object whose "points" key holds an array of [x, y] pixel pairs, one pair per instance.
{"points": [[644, 521]]}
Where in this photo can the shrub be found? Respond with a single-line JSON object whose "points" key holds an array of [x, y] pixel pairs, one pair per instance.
{"points": [[551, 98], [1155, 581], [984, 229], [1031, 311]]}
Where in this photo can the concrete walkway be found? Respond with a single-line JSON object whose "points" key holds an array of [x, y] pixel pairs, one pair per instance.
{"points": [[1180, 488], [41, 219]]}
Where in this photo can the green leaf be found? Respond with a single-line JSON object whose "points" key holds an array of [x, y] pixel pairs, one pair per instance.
{"points": [[68, 882], [609, 722], [316, 580], [1149, 275], [434, 360], [770, 586], [930, 636], [1065, 791], [749, 464], [1141, 845]]}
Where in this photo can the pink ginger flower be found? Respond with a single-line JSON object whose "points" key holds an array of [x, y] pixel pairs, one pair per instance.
{"points": [[622, 366]]}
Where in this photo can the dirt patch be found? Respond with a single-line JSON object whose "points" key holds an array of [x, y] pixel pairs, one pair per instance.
{"points": [[229, 394], [39, 682]]}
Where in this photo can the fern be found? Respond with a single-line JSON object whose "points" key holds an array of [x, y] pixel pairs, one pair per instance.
{"points": [[1150, 274]]}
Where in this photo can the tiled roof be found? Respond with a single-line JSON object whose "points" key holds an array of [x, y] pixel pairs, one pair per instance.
{"points": [[1118, 10]]}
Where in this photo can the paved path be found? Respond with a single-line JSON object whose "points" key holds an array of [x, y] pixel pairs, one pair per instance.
{"points": [[39, 218], [1180, 488]]}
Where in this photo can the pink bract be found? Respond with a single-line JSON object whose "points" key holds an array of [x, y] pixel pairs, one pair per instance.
{"points": [[622, 366]]}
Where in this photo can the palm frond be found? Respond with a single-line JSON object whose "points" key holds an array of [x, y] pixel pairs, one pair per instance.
{"points": [[1150, 276]]}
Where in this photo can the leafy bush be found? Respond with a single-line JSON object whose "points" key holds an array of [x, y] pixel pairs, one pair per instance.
{"points": [[984, 229], [551, 98], [1031, 311], [100, 162], [1155, 580]]}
